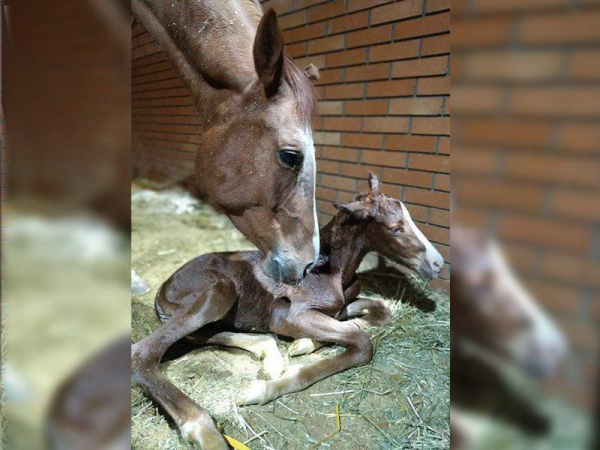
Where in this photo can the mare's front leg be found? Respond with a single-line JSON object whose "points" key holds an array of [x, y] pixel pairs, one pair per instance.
{"points": [[194, 422], [320, 327], [371, 312]]}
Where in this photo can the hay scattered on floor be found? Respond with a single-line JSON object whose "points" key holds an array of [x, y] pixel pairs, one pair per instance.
{"points": [[399, 400]]}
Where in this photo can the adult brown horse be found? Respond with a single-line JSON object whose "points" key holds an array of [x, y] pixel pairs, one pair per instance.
{"points": [[256, 162]]}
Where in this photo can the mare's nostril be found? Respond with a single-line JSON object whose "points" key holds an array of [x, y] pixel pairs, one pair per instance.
{"points": [[308, 268]]}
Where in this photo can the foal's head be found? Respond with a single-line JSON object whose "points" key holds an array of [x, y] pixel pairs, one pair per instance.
{"points": [[391, 231], [260, 158], [492, 309]]}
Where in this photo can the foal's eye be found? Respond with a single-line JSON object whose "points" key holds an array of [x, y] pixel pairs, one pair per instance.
{"points": [[396, 230], [290, 158]]}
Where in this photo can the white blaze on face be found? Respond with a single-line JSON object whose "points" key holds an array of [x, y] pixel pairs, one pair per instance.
{"points": [[541, 347], [432, 256], [310, 169]]}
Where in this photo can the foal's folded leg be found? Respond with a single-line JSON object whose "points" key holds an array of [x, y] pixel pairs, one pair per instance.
{"points": [[318, 326], [261, 345], [194, 422], [372, 312]]}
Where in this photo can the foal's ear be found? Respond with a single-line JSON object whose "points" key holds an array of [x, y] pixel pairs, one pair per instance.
{"points": [[268, 52], [357, 209], [373, 183], [312, 72]]}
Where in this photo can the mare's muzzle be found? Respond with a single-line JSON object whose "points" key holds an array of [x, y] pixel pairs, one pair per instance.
{"points": [[288, 269]]}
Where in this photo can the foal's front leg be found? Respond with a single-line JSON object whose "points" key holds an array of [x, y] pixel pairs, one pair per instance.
{"points": [[263, 346], [372, 312], [194, 422], [318, 326]]}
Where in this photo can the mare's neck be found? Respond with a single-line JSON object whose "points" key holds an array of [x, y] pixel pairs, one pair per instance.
{"points": [[347, 246], [209, 44]]}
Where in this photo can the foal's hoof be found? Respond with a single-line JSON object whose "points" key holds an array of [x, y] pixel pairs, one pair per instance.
{"points": [[204, 434], [303, 346], [273, 365], [257, 393]]}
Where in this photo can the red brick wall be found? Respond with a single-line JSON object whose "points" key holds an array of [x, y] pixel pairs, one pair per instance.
{"points": [[526, 143], [384, 92]]}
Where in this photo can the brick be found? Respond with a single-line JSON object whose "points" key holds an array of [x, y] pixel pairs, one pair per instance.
{"points": [[391, 88], [422, 26], [407, 178], [566, 236], [341, 124], [395, 11], [362, 140], [570, 101], [480, 32], [356, 171], [355, 90], [431, 125], [579, 138], [514, 65], [431, 163], [442, 182], [330, 167], [340, 154], [420, 67], [576, 205], [327, 44], [309, 32], [562, 28], [434, 86], [530, 133], [337, 182], [369, 36], [476, 99], [436, 45], [330, 76], [428, 106], [513, 6], [350, 22], [584, 65], [568, 171], [292, 20], [386, 124], [475, 161], [330, 108], [326, 138], [355, 5], [326, 11], [427, 197], [370, 72], [380, 158], [395, 51], [347, 57], [411, 143], [499, 194], [322, 193], [366, 108], [440, 5]]}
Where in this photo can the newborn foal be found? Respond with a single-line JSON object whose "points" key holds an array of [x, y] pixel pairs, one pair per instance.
{"points": [[225, 292]]}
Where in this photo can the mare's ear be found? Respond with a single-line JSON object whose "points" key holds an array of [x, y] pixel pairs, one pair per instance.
{"points": [[373, 183], [360, 210], [268, 52], [312, 72]]}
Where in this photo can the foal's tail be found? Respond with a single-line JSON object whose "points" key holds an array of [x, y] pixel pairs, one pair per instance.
{"points": [[162, 316]]}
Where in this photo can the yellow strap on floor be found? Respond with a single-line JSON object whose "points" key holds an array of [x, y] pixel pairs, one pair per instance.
{"points": [[237, 445]]}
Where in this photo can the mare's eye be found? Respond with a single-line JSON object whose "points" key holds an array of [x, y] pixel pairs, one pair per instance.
{"points": [[290, 158]]}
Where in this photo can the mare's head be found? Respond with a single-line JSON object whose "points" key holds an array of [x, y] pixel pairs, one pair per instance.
{"points": [[491, 309], [391, 231], [257, 158]]}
